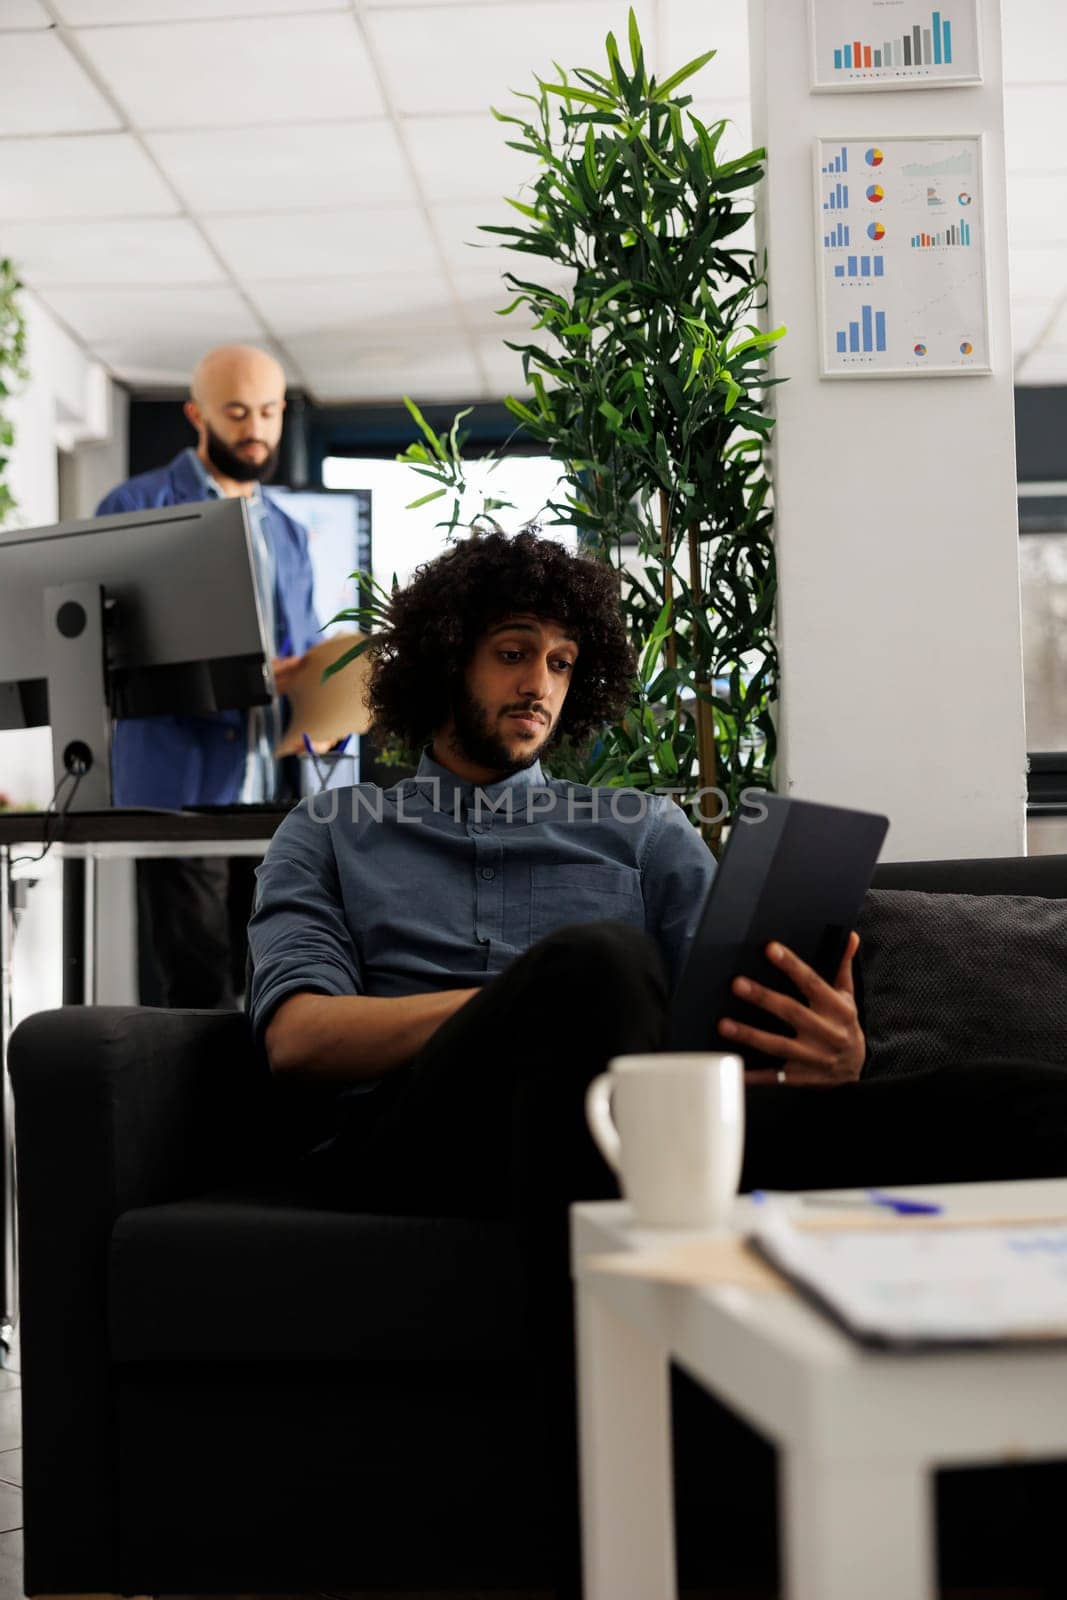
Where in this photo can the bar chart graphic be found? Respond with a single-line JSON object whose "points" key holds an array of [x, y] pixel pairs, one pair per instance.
{"points": [[955, 234], [865, 336], [837, 200], [856, 44], [902, 285], [860, 267], [929, 41]]}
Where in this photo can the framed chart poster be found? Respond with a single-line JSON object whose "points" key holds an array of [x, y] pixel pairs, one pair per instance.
{"points": [[901, 257], [894, 44]]}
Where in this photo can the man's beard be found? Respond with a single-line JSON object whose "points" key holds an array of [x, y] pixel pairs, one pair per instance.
{"points": [[477, 738], [233, 466]]}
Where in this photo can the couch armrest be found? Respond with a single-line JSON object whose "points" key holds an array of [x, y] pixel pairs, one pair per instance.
{"points": [[115, 1108]]}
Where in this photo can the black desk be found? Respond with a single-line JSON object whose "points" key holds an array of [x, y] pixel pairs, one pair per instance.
{"points": [[82, 839]]}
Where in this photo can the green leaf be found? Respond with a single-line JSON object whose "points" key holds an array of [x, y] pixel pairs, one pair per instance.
{"points": [[526, 211], [424, 500], [667, 87], [586, 96], [424, 428], [636, 47]]}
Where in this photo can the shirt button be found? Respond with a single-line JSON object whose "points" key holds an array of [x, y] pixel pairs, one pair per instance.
{"points": [[487, 873]]}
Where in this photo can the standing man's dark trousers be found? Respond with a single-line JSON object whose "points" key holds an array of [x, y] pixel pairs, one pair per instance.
{"points": [[192, 920], [488, 1120]]}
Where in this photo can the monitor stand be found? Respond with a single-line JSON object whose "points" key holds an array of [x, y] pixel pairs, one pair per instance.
{"points": [[77, 695]]}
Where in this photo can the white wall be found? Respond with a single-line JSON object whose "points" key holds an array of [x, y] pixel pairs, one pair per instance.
{"points": [[69, 404], [899, 585]]}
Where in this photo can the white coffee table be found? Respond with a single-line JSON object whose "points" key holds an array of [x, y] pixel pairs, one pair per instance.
{"points": [[859, 1432]]}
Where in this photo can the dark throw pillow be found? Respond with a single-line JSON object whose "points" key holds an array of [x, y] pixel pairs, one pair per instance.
{"points": [[952, 978]]}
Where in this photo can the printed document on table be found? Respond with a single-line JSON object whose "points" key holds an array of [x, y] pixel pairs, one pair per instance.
{"points": [[928, 1284]]}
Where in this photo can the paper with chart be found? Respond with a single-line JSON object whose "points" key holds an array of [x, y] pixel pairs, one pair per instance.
{"points": [[894, 44], [901, 252]]}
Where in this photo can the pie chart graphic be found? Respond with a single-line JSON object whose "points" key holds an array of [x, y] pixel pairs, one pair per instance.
{"points": [[875, 194], [876, 230], [966, 348], [920, 349], [964, 198], [874, 156]]}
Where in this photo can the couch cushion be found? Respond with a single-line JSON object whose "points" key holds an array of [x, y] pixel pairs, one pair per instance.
{"points": [[247, 1278], [956, 977]]}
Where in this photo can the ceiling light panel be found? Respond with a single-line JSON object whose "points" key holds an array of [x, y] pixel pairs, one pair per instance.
{"points": [[46, 91], [150, 250], [211, 74], [489, 50], [92, 175], [341, 244], [86, 13], [468, 158], [23, 14], [308, 167], [135, 316], [387, 366], [357, 306]]}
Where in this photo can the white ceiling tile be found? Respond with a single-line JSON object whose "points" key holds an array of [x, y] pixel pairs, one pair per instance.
{"points": [[1043, 367], [1035, 42], [1033, 123], [1037, 274], [304, 168], [466, 57], [388, 366], [46, 91], [357, 306], [23, 14], [689, 28], [204, 74], [92, 175], [87, 13], [1037, 209], [150, 251], [136, 316], [333, 244], [467, 157]]}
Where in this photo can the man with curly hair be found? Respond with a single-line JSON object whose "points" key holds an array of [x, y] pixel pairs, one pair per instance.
{"points": [[457, 956]]}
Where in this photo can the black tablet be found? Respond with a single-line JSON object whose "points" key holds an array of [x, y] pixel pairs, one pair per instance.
{"points": [[792, 871]]}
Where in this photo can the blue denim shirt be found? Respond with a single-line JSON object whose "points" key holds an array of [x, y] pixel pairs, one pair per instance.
{"points": [[436, 884]]}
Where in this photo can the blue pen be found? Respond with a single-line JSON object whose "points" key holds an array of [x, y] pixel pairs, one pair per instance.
{"points": [[343, 746], [899, 1206]]}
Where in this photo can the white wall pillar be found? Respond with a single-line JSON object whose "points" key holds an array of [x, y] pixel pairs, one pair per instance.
{"points": [[897, 549]]}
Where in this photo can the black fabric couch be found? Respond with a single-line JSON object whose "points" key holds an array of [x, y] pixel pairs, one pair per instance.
{"points": [[226, 1389]]}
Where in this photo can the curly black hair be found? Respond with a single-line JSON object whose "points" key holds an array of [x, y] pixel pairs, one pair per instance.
{"points": [[434, 625]]}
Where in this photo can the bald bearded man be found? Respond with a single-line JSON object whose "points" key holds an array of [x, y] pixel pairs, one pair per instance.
{"points": [[193, 912]]}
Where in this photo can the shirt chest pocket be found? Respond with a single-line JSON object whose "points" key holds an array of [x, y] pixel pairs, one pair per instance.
{"points": [[563, 895]]}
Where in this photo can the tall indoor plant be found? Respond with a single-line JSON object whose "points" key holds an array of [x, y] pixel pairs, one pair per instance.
{"points": [[648, 378], [12, 372]]}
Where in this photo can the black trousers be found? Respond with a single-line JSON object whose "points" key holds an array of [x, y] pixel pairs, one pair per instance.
{"points": [[192, 921], [489, 1120]]}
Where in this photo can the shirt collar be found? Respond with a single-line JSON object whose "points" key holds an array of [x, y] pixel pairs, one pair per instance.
{"points": [[439, 788], [209, 484]]}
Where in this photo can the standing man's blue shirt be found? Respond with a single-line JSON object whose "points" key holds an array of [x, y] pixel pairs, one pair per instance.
{"points": [[177, 761]]}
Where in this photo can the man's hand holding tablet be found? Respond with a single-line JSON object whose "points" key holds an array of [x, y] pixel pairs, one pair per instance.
{"points": [[827, 1045]]}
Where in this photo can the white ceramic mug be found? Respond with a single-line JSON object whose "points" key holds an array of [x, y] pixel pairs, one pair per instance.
{"points": [[673, 1128]]}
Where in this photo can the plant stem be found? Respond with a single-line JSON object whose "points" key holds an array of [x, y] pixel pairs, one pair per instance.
{"points": [[707, 764]]}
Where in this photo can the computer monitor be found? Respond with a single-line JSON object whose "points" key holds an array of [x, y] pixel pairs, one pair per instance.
{"points": [[135, 615]]}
